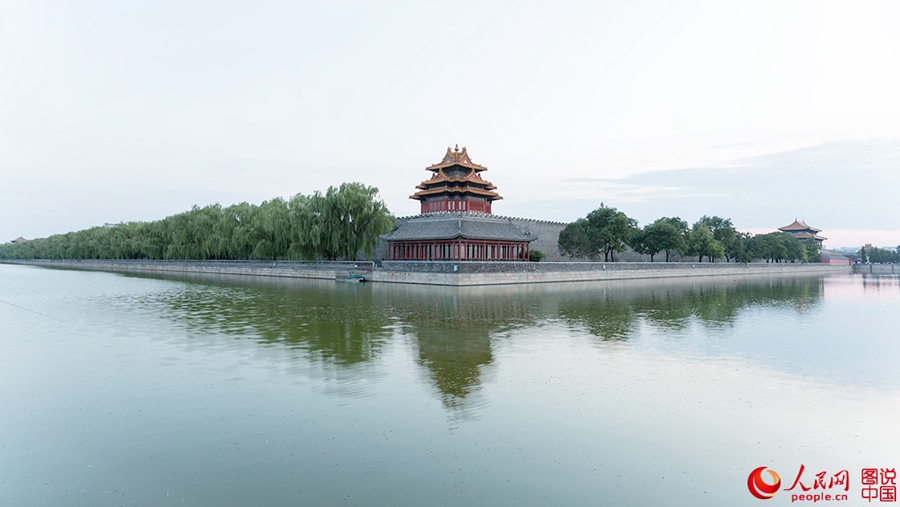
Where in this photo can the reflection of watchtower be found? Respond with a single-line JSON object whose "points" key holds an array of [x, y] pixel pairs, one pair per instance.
{"points": [[453, 336], [456, 185], [455, 360], [800, 230]]}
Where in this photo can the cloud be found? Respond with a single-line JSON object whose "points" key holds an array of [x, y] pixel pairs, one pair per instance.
{"points": [[849, 185]]}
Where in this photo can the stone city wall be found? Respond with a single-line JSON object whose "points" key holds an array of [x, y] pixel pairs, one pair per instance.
{"points": [[500, 273], [288, 269], [448, 272], [547, 236]]}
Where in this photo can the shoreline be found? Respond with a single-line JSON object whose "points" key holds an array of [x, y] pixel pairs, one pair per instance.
{"points": [[448, 273]]}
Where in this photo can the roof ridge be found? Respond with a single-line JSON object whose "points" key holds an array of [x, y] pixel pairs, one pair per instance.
{"points": [[482, 214]]}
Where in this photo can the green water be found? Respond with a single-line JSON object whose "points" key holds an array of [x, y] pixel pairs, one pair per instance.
{"points": [[129, 390]]}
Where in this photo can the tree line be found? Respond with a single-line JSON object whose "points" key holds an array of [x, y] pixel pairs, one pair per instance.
{"points": [[877, 255], [606, 231], [339, 224]]}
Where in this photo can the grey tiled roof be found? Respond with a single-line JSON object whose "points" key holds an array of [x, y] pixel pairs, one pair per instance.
{"points": [[456, 225], [835, 255]]}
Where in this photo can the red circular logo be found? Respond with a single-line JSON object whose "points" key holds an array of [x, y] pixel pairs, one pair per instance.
{"points": [[759, 488]]}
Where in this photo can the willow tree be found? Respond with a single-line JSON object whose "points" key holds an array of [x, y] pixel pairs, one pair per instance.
{"points": [[342, 223], [353, 219]]}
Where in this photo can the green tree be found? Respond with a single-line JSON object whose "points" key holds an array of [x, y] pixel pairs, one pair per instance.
{"points": [[644, 242], [604, 230], [778, 247], [880, 255], [743, 248], [305, 212], [795, 251], [812, 248], [725, 233], [665, 234], [702, 243], [536, 255], [575, 241], [362, 218], [343, 223], [347, 221], [677, 244]]}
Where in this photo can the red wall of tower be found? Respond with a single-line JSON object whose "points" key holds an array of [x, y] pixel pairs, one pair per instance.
{"points": [[438, 205]]}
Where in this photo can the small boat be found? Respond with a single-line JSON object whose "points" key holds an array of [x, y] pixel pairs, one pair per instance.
{"points": [[352, 278]]}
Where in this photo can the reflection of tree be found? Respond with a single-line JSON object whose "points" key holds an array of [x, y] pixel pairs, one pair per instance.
{"points": [[339, 324], [453, 328], [605, 316], [665, 309], [614, 312], [349, 324]]}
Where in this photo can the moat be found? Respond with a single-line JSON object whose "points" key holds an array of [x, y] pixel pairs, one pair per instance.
{"points": [[215, 390]]}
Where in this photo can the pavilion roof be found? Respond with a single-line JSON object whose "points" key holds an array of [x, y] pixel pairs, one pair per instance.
{"points": [[494, 196], [456, 157], [459, 224], [798, 225], [834, 254], [807, 235], [440, 178]]}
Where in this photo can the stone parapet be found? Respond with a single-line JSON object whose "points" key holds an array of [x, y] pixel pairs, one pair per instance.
{"points": [[449, 272], [287, 269], [501, 273]]}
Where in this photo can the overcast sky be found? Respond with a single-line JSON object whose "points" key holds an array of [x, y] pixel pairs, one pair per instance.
{"points": [[758, 111]]}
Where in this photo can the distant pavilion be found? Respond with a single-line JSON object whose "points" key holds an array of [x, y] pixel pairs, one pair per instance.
{"points": [[800, 230], [456, 221]]}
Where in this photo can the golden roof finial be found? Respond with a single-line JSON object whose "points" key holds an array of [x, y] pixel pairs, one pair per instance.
{"points": [[456, 148]]}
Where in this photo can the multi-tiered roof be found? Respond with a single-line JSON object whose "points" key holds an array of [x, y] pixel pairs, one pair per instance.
{"points": [[456, 221], [456, 185], [800, 230]]}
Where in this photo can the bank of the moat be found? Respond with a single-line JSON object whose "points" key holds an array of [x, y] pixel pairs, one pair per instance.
{"points": [[450, 273]]}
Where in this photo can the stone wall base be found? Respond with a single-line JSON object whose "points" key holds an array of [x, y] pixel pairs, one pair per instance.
{"points": [[493, 274]]}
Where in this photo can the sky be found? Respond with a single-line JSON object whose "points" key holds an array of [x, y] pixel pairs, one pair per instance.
{"points": [[761, 112]]}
